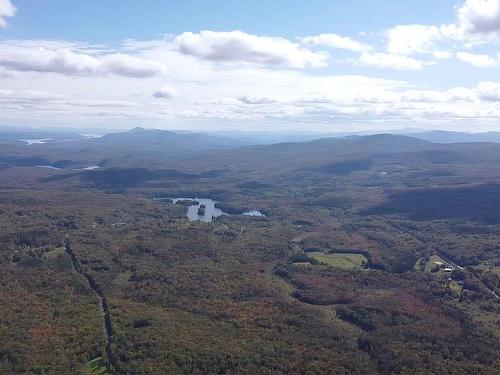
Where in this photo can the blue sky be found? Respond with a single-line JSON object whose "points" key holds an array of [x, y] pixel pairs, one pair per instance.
{"points": [[251, 65], [113, 21]]}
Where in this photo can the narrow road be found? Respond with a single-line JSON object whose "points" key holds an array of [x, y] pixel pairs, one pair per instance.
{"points": [[449, 261], [103, 304]]}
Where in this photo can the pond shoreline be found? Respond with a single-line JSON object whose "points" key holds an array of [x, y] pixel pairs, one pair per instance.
{"points": [[210, 211]]}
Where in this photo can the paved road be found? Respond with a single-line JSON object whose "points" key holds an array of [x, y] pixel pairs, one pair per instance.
{"points": [[448, 260]]}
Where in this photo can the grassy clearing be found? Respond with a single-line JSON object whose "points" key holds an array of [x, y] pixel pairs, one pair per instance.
{"points": [[96, 366], [302, 264], [455, 288], [340, 260], [52, 254], [423, 266], [281, 284]]}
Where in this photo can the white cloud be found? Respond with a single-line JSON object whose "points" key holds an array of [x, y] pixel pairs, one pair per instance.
{"points": [[49, 100], [410, 39], [129, 66], [97, 90], [242, 47], [391, 61], [484, 92], [478, 60], [489, 91], [480, 16], [337, 41], [52, 59], [423, 96], [461, 94], [165, 93], [29, 95], [6, 10], [4, 73], [249, 99], [441, 55], [454, 95], [62, 61], [477, 22]]}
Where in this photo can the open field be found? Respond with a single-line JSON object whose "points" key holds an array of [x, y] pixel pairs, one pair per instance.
{"points": [[340, 260], [429, 264], [96, 366]]}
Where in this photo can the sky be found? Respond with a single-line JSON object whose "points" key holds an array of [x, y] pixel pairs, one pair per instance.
{"points": [[251, 65]]}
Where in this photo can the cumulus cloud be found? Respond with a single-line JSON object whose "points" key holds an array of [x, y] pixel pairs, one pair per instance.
{"points": [[477, 22], [232, 92], [242, 47], [43, 59], [6, 10], [391, 61], [337, 41], [40, 59], [489, 91], [165, 93], [480, 16], [478, 60]]}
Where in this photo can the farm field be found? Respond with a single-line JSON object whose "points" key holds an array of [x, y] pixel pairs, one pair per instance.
{"points": [[96, 366], [340, 260]]}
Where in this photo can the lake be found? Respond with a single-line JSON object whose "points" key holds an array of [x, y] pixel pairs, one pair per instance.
{"points": [[36, 141], [210, 210], [49, 167], [89, 168], [253, 213]]}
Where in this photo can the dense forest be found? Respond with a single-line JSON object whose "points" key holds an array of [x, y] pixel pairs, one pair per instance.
{"points": [[376, 254]]}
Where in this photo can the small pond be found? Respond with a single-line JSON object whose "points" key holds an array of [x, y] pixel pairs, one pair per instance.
{"points": [[36, 141], [90, 168], [210, 211], [253, 213], [48, 167]]}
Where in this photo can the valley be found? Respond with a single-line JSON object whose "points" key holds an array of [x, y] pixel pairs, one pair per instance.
{"points": [[335, 276], [257, 187]]}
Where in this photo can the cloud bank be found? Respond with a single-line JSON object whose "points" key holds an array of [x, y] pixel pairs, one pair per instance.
{"points": [[218, 78], [47, 58]]}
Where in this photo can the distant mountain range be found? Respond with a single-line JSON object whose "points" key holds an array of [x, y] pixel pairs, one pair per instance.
{"points": [[436, 136], [441, 136], [230, 138], [199, 153]]}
